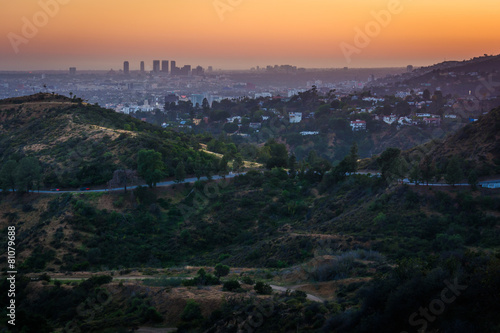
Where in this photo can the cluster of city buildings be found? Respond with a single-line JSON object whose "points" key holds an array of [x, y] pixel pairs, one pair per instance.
{"points": [[166, 67], [146, 88]]}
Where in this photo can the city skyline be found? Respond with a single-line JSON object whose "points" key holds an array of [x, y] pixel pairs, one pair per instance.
{"points": [[58, 34]]}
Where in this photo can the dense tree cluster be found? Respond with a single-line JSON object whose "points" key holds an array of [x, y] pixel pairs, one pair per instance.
{"points": [[24, 175]]}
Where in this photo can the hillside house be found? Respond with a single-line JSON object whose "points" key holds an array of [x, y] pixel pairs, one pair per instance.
{"points": [[358, 125], [236, 119], [295, 117], [405, 121], [432, 121], [390, 119]]}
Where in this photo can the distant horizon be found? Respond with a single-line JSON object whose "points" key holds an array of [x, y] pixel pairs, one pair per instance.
{"points": [[135, 66], [216, 65], [149, 66], [214, 69]]}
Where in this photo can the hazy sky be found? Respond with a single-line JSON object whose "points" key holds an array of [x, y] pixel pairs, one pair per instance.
{"points": [[101, 34]]}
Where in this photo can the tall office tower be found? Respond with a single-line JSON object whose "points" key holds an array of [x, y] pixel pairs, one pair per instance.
{"points": [[126, 68], [142, 66], [72, 71], [156, 66], [173, 68], [164, 66]]}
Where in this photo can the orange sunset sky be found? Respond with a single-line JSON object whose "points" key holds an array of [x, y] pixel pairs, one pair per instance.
{"points": [[239, 34]]}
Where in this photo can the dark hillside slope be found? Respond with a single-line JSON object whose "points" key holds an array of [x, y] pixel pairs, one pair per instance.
{"points": [[477, 144], [80, 144]]}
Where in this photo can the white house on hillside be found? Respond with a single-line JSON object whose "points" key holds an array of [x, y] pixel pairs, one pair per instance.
{"points": [[295, 117], [358, 125]]}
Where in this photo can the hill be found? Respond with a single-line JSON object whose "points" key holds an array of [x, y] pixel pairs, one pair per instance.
{"points": [[80, 145], [477, 143], [376, 251], [478, 64], [457, 78], [351, 238]]}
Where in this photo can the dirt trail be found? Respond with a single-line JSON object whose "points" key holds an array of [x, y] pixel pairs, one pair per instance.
{"points": [[309, 296], [118, 278], [155, 330]]}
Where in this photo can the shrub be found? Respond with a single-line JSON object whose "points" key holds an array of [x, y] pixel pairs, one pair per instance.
{"points": [[223, 257], [263, 288], [231, 285], [221, 270], [164, 282], [191, 312], [248, 280], [445, 242], [153, 315], [118, 203]]}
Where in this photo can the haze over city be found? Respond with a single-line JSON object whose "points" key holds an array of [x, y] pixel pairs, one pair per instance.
{"points": [[46, 35]]}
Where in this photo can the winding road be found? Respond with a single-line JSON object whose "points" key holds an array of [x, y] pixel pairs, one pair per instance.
{"points": [[161, 184]]}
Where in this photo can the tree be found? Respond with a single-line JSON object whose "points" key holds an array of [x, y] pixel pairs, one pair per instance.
{"points": [[230, 127], [232, 285], [278, 155], [292, 164], [312, 157], [198, 168], [210, 168], [221, 270], [180, 172], [223, 167], [50, 179], [427, 169], [28, 173], [387, 110], [415, 174], [454, 171], [201, 277], [472, 179], [238, 163], [263, 154], [352, 158], [338, 173], [150, 166], [191, 312], [426, 95], [205, 105], [403, 108], [438, 98], [123, 177], [8, 175], [263, 288], [388, 163]]}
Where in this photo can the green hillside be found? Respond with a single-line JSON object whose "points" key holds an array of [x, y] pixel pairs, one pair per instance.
{"points": [[477, 143], [80, 145]]}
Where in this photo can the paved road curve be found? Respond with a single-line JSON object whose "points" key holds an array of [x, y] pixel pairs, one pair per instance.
{"points": [[161, 184], [482, 184]]}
